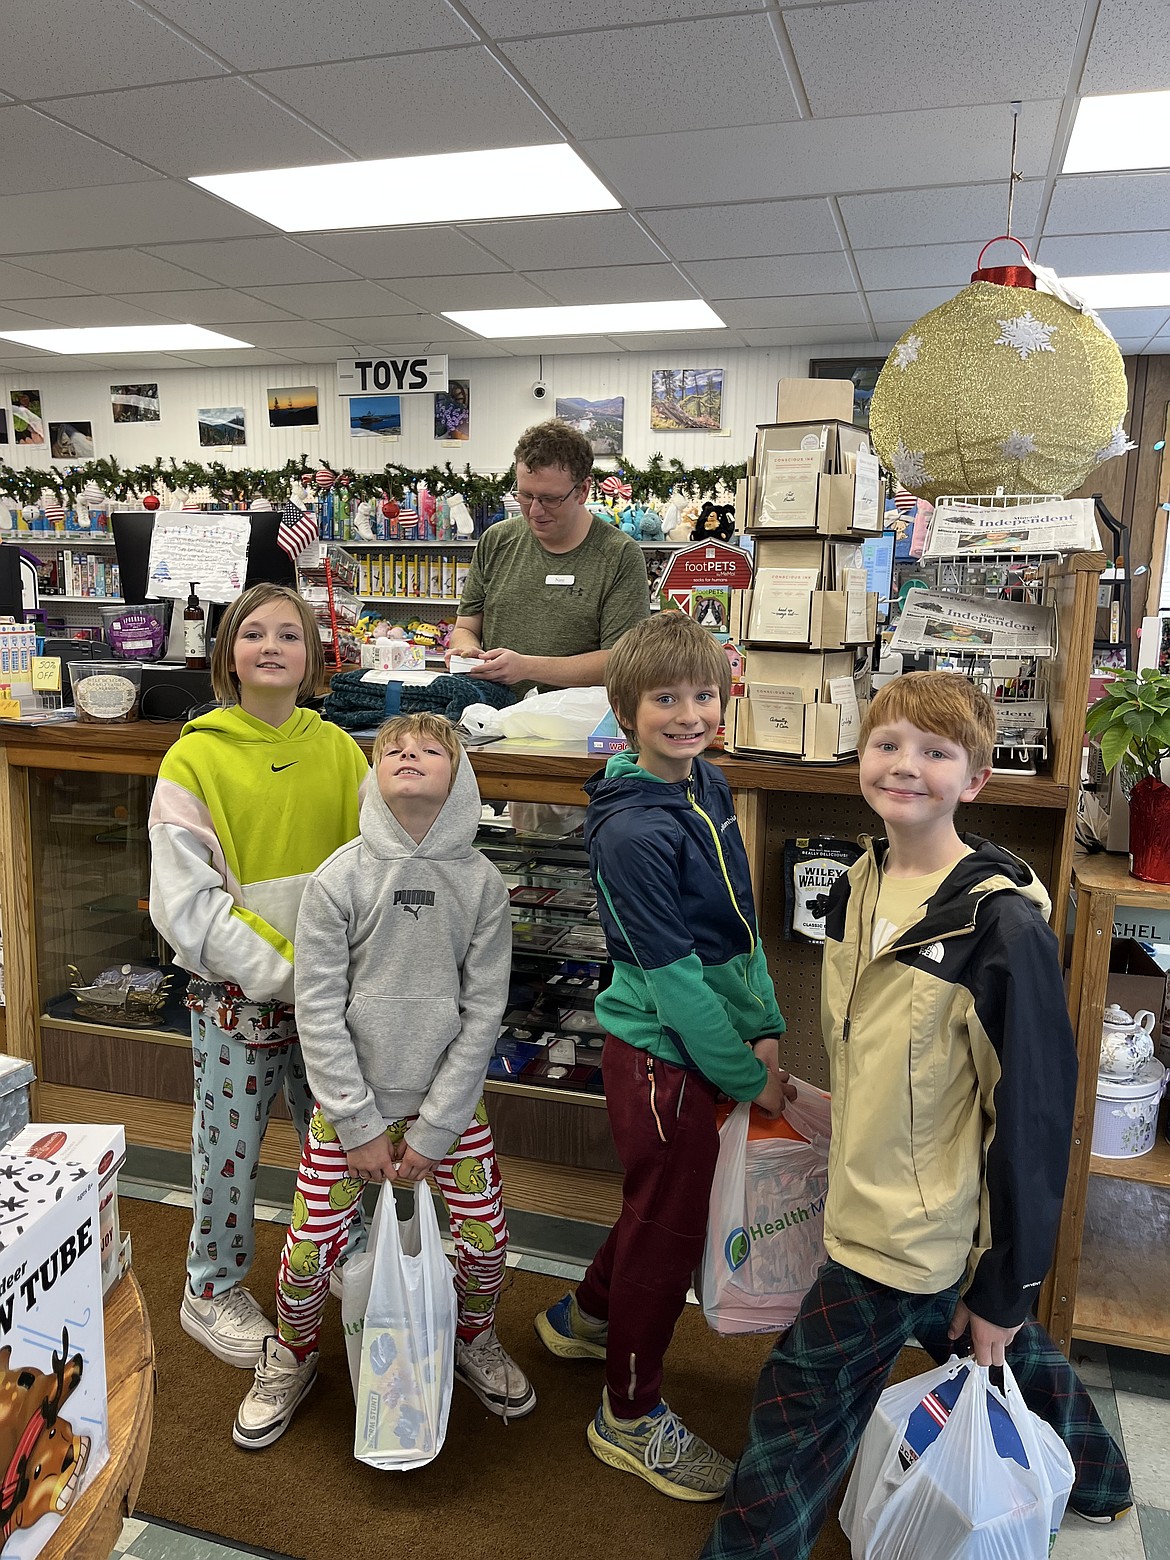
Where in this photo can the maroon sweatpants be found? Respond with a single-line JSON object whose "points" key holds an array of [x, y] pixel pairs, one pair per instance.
{"points": [[663, 1124]]}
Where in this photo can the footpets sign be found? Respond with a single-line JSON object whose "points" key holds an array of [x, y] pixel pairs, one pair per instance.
{"points": [[396, 375]]}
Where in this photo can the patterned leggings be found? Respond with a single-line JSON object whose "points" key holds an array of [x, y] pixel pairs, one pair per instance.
{"points": [[326, 1200]]}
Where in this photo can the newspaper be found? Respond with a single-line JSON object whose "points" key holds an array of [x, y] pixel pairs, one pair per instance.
{"points": [[1040, 530], [974, 625]]}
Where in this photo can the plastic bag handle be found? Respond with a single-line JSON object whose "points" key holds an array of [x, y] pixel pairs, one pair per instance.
{"points": [[798, 1117], [1001, 238]]}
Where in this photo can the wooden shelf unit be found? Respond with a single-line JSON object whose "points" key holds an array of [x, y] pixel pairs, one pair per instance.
{"points": [[1031, 815], [1111, 1270]]}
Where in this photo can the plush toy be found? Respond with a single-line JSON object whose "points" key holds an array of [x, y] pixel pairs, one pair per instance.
{"points": [[630, 522], [716, 522], [652, 528]]}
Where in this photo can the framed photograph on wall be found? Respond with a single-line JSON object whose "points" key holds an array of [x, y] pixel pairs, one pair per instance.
{"points": [[862, 374]]}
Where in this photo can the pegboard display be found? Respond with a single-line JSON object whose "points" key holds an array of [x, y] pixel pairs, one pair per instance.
{"points": [[1033, 835]]}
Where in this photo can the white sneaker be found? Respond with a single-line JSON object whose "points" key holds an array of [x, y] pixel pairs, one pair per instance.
{"points": [[282, 1381], [231, 1325], [494, 1376]]}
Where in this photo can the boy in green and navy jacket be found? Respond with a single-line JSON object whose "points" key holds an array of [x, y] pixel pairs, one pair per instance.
{"points": [[691, 1015]]}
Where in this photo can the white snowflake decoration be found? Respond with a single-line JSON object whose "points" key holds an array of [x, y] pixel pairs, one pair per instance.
{"points": [[1018, 446], [1026, 335], [1118, 444], [909, 467], [906, 352]]}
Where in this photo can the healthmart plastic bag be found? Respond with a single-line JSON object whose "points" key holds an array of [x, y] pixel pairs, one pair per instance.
{"points": [[398, 1310], [766, 1222], [951, 1469]]}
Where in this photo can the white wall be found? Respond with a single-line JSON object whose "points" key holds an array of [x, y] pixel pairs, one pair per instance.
{"points": [[501, 407]]}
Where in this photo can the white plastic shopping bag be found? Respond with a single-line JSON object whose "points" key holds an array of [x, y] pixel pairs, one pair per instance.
{"points": [[949, 1468], [560, 715], [766, 1221], [398, 1310]]}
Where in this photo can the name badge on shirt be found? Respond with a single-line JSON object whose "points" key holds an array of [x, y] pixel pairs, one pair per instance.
{"points": [[560, 579]]}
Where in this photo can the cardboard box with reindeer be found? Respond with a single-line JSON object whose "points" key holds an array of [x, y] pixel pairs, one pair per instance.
{"points": [[54, 1426]]}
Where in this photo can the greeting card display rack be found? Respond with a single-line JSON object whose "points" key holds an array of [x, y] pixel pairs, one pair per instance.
{"points": [[329, 585]]}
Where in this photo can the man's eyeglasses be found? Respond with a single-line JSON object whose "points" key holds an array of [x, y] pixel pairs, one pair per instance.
{"points": [[546, 502]]}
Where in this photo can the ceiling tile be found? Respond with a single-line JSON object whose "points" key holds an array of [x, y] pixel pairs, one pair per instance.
{"points": [[905, 148], [435, 251], [331, 300], [939, 216], [15, 319], [111, 270], [1127, 324], [829, 309], [469, 351], [700, 343], [211, 306], [397, 330], [506, 291], [18, 282], [293, 334], [56, 157], [1107, 254], [724, 70], [901, 303], [798, 336], [254, 262], [237, 357], [775, 277], [118, 214], [932, 265], [986, 51], [53, 49], [200, 127], [91, 310], [1109, 203], [392, 108], [264, 34], [614, 284], [555, 346], [1130, 48], [558, 243], [318, 354], [767, 227], [511, 18], [124, 366]]}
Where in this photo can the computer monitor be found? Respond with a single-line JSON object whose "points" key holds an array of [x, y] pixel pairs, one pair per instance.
{"points": [[133, 529]]}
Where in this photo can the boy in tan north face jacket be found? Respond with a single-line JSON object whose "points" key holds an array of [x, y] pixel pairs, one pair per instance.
{"points": [[953, 1073]]}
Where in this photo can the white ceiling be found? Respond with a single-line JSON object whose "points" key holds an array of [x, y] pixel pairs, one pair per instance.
{"points": [[821, 171]]}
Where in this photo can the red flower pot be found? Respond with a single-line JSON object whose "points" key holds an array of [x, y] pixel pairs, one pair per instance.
{"points": [[1149, 831]]}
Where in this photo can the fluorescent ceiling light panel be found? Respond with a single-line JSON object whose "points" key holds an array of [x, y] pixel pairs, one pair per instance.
{"points": [[1120, 131], [589, 319], [125, 338], [516, 181], [1140, 290]]}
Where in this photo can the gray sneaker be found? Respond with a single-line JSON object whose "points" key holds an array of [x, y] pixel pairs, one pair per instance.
{"points": [[660, 1449], [232, 1325], [494, 1376], [282, 1382]]}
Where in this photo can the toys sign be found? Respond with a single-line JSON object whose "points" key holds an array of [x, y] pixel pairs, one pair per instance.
{"points": [[704, 565], [391, 375]]}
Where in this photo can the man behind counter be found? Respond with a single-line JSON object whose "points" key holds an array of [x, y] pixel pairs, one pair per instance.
{"points": [[550, 592]]}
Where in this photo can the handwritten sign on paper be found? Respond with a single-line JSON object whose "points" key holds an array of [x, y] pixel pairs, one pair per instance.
{"points": [[211, 550]]}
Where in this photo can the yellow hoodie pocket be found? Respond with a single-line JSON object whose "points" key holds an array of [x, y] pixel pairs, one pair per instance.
{"points": [[400, 1041], [934, 1160]]}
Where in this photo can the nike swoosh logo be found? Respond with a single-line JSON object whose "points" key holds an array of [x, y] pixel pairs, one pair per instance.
{"points": [[276, 768]]}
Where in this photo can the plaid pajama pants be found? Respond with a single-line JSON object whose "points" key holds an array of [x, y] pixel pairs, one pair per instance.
{"points": [[820, 1385]]}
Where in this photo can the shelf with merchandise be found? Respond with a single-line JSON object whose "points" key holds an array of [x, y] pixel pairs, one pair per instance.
{"points": [[34, 539]]}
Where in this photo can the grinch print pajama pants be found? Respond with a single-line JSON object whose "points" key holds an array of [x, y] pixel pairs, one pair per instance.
{"points": [[325, 1202]]}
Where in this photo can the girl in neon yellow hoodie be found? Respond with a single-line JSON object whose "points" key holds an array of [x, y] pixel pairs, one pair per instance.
{"points": [[250, 801]]}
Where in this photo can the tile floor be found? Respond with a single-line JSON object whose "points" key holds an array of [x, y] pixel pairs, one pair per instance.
{"points": [[1131, 1390]]}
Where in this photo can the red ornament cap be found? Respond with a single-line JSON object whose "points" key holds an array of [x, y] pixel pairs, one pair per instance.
{"points": [[1004, 275]]}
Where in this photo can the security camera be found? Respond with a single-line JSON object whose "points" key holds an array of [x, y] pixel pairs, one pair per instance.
{"points": [[540, 391]]}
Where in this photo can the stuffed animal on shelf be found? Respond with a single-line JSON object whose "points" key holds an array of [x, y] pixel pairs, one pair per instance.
{"points": [[652, 527], [630, 522], [716, 522]]}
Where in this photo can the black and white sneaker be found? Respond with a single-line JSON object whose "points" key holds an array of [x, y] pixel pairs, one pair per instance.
{"points": [[282, 1382], [493, 1375]]}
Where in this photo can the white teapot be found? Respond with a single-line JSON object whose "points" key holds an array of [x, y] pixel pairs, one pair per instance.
{"points": [[1126, 1043]]}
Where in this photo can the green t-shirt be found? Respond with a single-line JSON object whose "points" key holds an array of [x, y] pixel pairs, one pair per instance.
{"points": [[541, 603]]}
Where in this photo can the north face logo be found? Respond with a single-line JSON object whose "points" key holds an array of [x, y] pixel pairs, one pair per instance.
{"points": [[934, 952], [413, 899]]}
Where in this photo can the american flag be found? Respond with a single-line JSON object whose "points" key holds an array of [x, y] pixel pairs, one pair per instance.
{"points": [[297, 530]]}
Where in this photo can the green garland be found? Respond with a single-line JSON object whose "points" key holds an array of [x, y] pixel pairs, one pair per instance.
{"points": [[657, 480]]}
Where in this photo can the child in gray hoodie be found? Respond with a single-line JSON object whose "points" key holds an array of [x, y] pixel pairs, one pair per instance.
{"points": [[403, 953]]}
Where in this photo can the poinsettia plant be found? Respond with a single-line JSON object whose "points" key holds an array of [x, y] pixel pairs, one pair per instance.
{"points": [[1132, 721]]}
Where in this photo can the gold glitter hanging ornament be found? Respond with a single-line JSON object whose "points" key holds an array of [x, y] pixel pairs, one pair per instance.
{"points": [[1004, 387]]}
